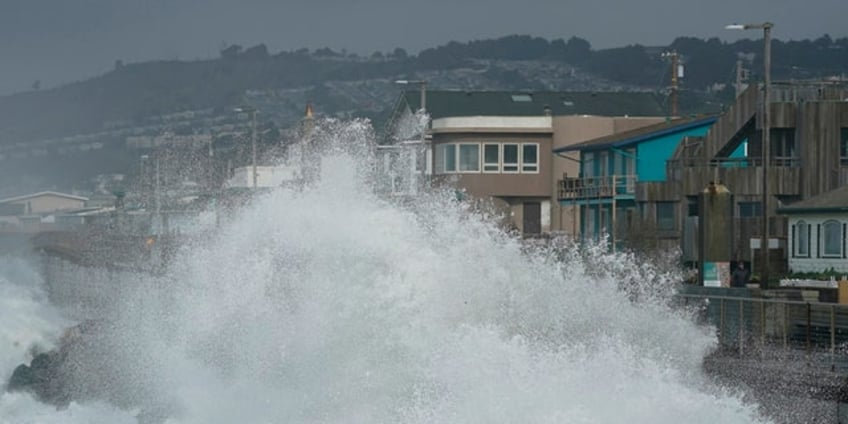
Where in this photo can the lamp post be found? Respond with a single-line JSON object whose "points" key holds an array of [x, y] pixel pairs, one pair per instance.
{"points": [[766, 139], [422, 85], [252, 112]]}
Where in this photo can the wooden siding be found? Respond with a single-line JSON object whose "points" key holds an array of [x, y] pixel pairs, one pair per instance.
{"points": [[818, 145], [657, 192], [744, 181], [730, 123]]}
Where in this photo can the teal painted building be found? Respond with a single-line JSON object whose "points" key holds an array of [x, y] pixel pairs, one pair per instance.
{"points": [[613, 167]]}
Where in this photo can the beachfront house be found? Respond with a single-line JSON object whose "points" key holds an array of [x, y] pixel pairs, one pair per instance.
{"points": [[614, 189], [817, 232], [496, 145]]}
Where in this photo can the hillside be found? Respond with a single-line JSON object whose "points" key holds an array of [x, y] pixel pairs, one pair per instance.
{"points": [[190, 97]]}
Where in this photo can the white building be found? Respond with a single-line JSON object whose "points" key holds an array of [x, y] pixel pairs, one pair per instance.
{"points": [[29, 211], [266, 176], [817, 232]]}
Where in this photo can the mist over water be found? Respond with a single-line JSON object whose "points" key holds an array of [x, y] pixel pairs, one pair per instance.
{"points": [[333, 305]]}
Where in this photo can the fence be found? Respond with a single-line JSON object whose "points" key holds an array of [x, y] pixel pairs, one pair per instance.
{"points": [[763, 326]]}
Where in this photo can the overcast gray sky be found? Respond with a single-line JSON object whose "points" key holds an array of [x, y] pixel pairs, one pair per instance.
{"points": [[57, 41]]}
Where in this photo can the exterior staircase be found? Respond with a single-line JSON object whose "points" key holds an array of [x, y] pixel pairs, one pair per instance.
{"points": [[729, 131]]}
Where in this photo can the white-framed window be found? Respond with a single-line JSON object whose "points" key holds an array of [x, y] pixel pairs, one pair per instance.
{"points": [[511, 158], [507, 158], [469, 157], [802, 239], [831, 243], [492, 158], [529, 157], [445, 158]]}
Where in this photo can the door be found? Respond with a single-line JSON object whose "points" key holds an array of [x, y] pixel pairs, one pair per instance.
{"points": [[532, 218]]}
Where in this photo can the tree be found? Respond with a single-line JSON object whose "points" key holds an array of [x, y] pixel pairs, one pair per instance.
{"points": [[399, 54], [577, 50], [257, 52], [231, 52]]}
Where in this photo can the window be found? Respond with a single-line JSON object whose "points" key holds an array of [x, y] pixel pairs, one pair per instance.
{"points": [[589, 225], [522, 98], [783, 142], [586, 164], [603, 164], [529, 157], [802, 239], [491, 157], [630, 162], [832, 243], [510, 158], [692, 208], [750, 209], [843, 146], [469, 157], [450, 158], [665, 216]]}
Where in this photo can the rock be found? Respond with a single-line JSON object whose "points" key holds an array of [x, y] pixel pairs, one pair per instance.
{"points": [[21, 379]]}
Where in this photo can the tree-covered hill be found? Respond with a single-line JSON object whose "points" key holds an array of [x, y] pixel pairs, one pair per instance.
{"points": [[131, 92]]}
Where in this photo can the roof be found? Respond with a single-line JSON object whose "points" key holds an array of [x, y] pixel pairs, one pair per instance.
{"points": [[831, 201], [43, 193], [446, 103], [641, 134]]}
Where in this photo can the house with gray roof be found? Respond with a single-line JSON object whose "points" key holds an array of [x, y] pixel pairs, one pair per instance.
{"points": [[498, 145], [817, 232]]}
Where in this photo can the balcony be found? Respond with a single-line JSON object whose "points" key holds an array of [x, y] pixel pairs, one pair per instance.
{"points": [[605, 187], [741, 176]]}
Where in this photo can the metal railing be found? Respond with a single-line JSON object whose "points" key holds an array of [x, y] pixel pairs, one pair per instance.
{"points": [[596, 187], [757, 326]]}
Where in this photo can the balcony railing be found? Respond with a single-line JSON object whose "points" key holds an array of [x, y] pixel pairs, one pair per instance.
{"points": [[674, 167], [596, 187]]}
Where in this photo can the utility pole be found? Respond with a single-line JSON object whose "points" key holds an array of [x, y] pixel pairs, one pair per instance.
{"points": [[253, 144], [675, 84], [156, 193], [740, 76], [252, 113], [676, 74]]}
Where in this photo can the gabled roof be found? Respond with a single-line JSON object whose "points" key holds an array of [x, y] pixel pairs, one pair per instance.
{"points": [[831, 201], [447, 103], [43, 193], [638, 135]]}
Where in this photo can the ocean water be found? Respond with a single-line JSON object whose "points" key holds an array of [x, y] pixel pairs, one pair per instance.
{"points": [[332, 305]]}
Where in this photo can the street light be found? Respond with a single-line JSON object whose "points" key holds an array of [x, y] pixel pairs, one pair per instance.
{"points": [[422, 84], [252, 112], [766, 139]]}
